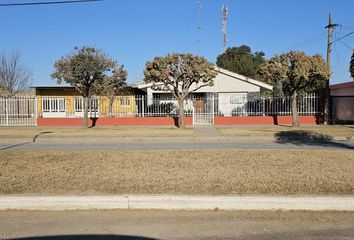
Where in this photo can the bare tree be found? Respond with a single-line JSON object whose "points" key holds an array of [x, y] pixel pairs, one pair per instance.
{"points": [[14, 75]]}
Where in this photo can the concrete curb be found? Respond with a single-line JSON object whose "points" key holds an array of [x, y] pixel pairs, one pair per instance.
{"points": [[164, 202]]}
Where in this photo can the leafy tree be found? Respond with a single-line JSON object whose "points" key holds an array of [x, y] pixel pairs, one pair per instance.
{"points": [[241, 60], [351, 68], [84, 69], [14, 76], [179, 74], [113, 85], [295, 72]]}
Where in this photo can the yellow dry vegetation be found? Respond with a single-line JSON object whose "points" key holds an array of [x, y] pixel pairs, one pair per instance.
{"points": [[178, 172], [104, 132]]}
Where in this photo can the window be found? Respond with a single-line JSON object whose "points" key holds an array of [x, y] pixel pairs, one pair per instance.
{"points": [[237, 99], [79, 105], [50, 105], [125, 101]]}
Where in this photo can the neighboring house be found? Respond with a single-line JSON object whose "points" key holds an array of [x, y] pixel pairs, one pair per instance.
{"points": [[61, 102], [342, 102], [230, 92]]}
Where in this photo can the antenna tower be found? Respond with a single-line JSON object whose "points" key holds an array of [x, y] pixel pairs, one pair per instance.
{"points": [[225, 12]]}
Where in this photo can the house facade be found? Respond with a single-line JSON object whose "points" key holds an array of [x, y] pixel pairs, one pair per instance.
{"points": [[66, 102], [232, 99], [229, 93]]}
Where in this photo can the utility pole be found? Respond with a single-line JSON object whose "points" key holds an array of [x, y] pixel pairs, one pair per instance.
{"points": [[225, 12], [330, 28]]}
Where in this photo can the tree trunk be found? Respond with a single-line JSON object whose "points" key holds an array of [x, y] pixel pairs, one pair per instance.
{"points": [[295, 115], [111, 101], [85, 118], [181, 113]]}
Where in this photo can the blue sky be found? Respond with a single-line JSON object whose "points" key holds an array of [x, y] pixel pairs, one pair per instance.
{"points": [[135, 31]]}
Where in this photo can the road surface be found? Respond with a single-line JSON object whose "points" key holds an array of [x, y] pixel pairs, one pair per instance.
{"points": [[128, 224], [168, 143]]}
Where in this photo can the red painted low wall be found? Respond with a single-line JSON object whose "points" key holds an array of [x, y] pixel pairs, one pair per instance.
{"points": [[264, 120], [171, 121], [114, 121]]}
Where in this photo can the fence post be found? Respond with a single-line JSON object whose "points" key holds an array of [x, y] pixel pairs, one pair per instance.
{"points": [[142, 105], [7, 112], [193, 113], [36, 110], [212, 111], [263, 103]]}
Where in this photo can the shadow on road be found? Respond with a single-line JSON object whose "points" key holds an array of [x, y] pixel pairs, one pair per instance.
{"points": [[86, 237], [309, 138]]}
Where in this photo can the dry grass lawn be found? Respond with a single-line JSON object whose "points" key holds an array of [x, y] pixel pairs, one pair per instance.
{"points": [[122, 132], [245, 131], [178, 172], [78, 132]]}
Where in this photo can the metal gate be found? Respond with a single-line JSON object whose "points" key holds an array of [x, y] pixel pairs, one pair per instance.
{"points": [[203, 110], [18, 111]]}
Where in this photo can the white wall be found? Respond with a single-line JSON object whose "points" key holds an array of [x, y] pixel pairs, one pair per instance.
{"points": [[230, 101], [222, 83]]}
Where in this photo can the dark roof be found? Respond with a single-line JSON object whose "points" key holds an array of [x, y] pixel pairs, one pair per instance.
{"points": [[133, 89], [53, 87], [349, 84]]}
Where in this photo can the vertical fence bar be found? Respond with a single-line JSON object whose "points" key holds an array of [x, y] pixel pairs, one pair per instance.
{"points": [[142, 106], [6, 112], [212, 111], [35, 108]]}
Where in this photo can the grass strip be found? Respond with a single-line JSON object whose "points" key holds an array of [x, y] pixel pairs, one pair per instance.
{"points": [[178, 172]]}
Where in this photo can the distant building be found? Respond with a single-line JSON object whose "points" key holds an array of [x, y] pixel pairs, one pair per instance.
{"points": [[343, 102]]}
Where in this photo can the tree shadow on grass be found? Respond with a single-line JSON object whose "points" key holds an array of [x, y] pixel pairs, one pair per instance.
{"points": [[14, 146], [86, 237], [305, 234], [35, 137], [301, 138]]}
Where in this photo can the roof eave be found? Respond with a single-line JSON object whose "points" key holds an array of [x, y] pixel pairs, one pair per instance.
{"points": [[244, 78]]}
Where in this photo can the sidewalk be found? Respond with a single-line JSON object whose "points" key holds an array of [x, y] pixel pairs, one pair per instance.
{"points": [[178, 202]]}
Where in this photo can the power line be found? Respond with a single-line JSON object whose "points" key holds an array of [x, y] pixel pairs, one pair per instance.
{"points": [[347, 45], [47, 3], [336, 54], [338, 39], [309, 41], [191, 22], [346, 27]]}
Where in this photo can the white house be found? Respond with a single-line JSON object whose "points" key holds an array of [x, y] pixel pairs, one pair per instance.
{"points": [[231, 90]]}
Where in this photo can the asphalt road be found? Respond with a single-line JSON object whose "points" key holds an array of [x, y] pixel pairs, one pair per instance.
{"points": [[128, 224], [67, 145]]}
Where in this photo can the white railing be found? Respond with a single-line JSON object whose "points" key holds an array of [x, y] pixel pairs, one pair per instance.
{"points": [[255, 105], [161, 106], [18, 111], [23, 111]]}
